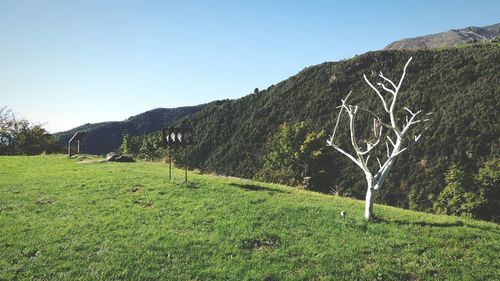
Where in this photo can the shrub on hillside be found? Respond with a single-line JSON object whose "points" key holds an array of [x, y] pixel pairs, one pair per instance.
{"points": [[20, 137], [293, 153], [488, 182], [471, 195]]}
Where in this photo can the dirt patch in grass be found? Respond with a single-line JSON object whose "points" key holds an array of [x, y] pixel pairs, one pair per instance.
{"points": [[43, 201], [144, 203], [189, 184], [32, 253], [137, 189], [258, 201], [87, 158], [267, 242], [90, 161]]}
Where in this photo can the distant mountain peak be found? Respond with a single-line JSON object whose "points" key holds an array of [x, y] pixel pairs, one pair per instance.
{"points": [[447, 39]]}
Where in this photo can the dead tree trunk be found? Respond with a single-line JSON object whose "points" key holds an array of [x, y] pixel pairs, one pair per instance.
{"points": [[395, 136]]}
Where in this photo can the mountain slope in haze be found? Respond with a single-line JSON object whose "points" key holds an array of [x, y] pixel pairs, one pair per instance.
{"points": [[107, 136], [460, 85], [447, 39]]}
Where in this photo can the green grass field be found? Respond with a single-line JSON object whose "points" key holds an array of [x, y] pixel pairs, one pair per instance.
{"points": [[61, 219]]}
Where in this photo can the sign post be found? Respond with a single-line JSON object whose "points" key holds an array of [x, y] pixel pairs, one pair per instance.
{"points": [[175, 138], [78, 136], [170, 164]]}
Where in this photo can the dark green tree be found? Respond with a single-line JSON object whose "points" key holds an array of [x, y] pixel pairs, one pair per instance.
{"points": [[151, 147], [488, 183], [126, 146], [282, 162], [32, 140], [19, 137], [292, 154]]}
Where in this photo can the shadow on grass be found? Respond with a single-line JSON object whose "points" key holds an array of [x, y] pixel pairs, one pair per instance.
{"points": [[252, 187], [421, 223], [435, 224]]}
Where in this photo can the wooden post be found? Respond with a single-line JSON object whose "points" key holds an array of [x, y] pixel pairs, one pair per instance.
{"points": [[77, 136], [170, 164]]}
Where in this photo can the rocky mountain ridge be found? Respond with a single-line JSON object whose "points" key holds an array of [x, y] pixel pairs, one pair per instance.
{"points": [[450, 38]]}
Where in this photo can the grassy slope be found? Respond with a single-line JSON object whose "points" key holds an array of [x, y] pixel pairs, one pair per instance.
{"points": [[62, 219]]}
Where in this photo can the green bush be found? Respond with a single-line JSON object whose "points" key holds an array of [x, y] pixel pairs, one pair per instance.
{"points": [[20, 137], [488, 182], [292, 153], [282, 160], [471, 195], [455, 199]]}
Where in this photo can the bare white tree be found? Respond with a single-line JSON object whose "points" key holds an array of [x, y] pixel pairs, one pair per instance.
{"points": [[396, 135]]}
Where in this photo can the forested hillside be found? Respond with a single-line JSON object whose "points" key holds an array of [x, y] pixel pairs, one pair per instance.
{"points": [[107, 136], [461, 86]]}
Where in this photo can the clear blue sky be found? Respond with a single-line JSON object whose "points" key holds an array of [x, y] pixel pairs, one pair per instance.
{"points": [[65, 63]]}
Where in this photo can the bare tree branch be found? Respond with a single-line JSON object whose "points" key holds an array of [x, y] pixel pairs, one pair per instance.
{"points": [[378, 93], [389, 138], [338, 117], [404, 74], [346, 154], [387, 89], [388, 151], [381, 75]]}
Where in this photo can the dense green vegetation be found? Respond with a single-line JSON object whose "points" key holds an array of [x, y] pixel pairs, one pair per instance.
{"points": [[107, 136], [20, 137], [71, 219], [293, 154], [476, 196], [459, 85]]}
